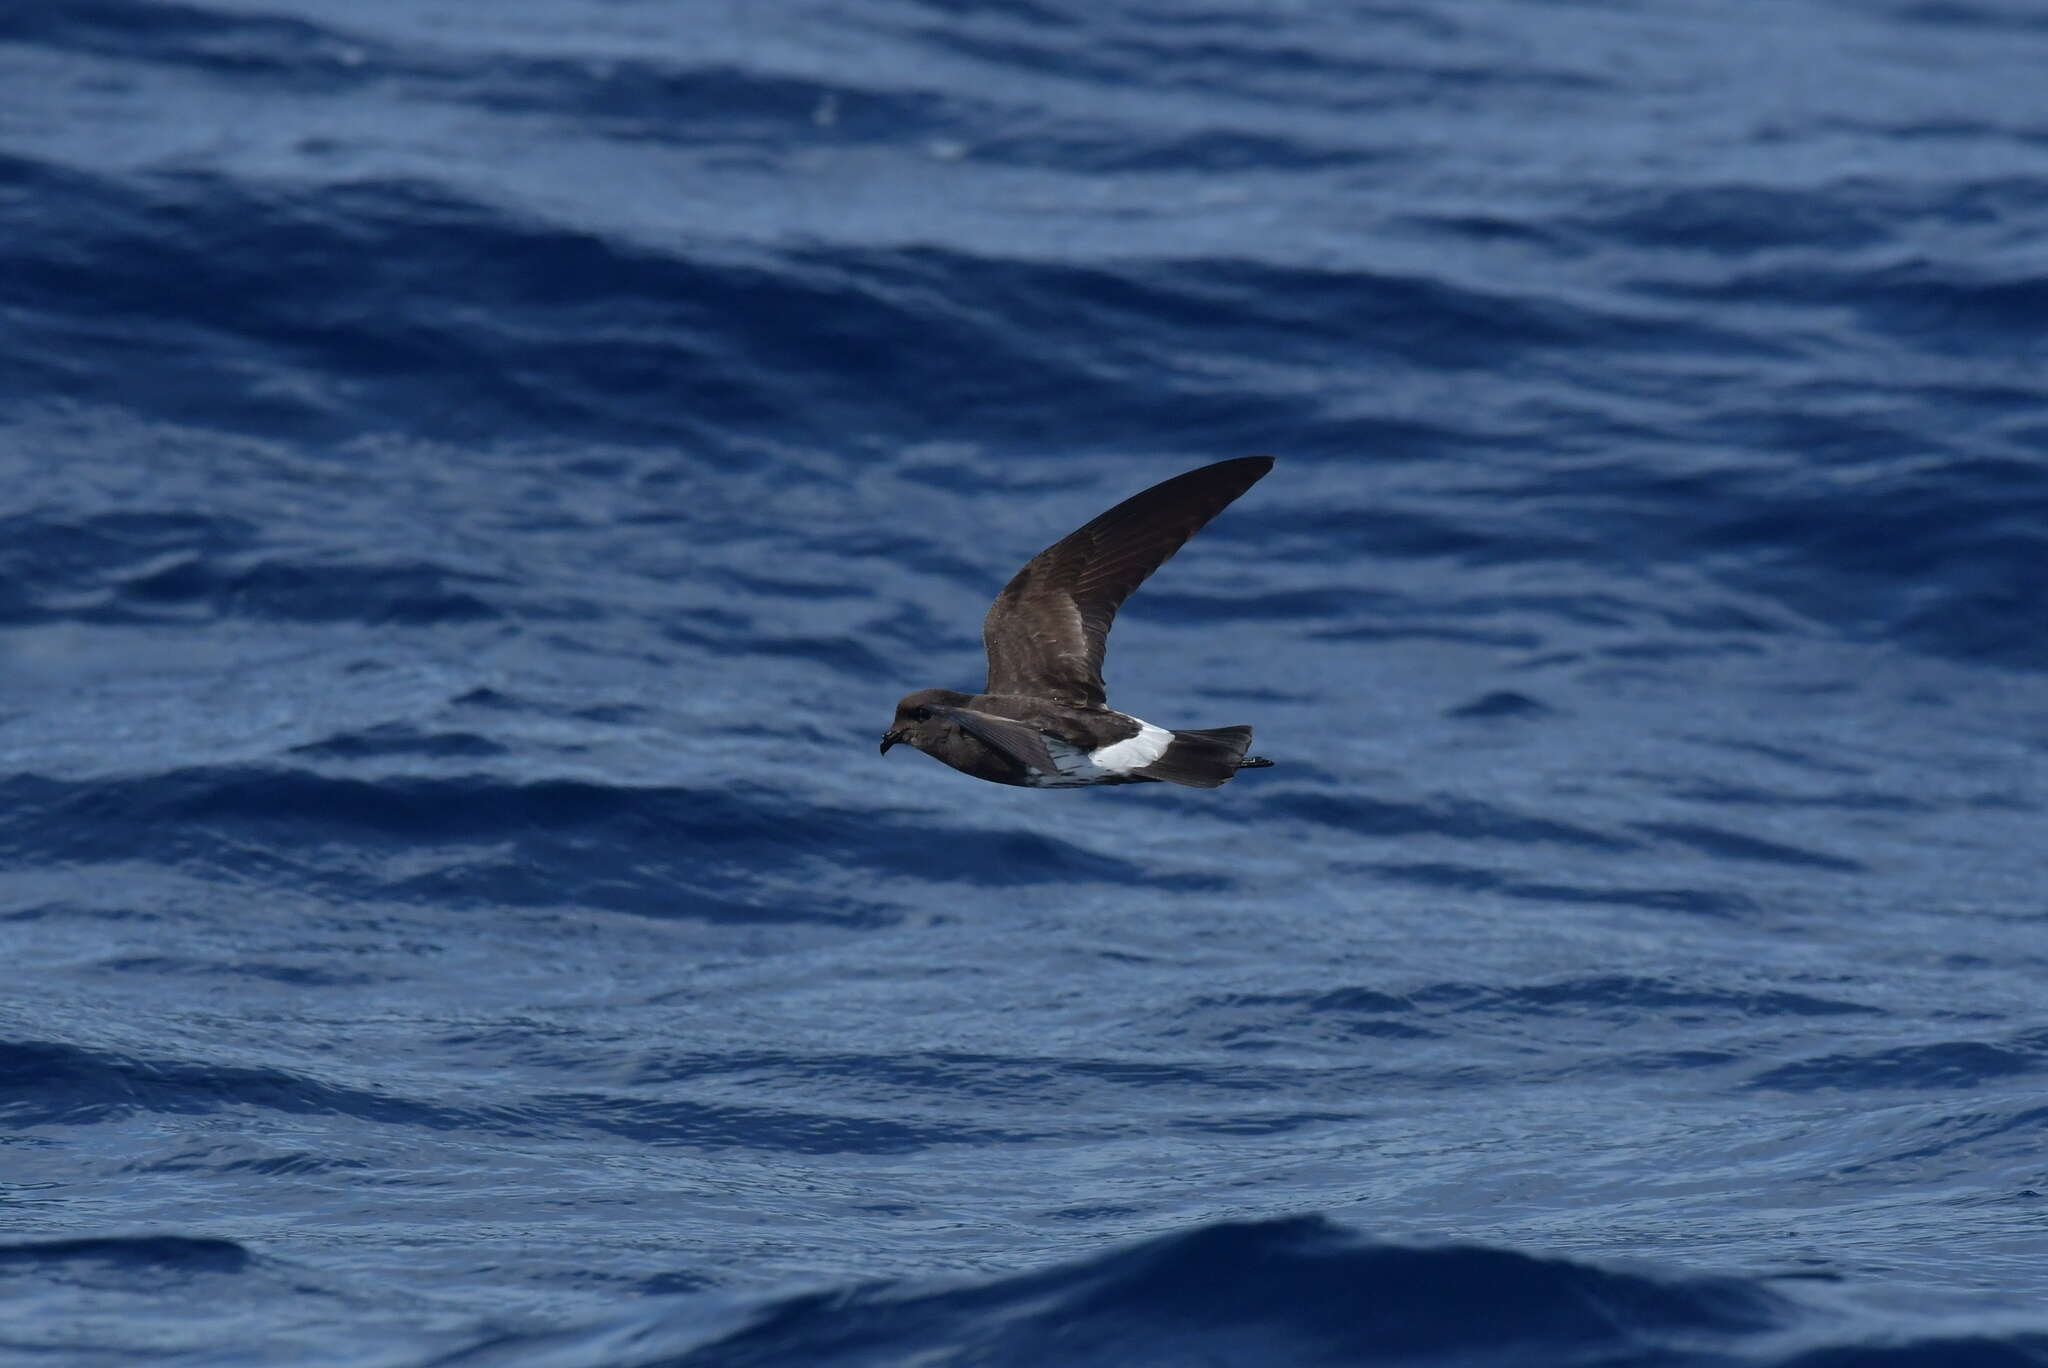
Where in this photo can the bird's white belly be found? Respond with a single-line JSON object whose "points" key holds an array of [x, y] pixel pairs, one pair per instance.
{"points": [[1078, 768]]}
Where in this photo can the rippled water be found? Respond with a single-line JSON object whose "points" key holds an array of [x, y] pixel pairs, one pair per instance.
{"points": [[473, 486]]}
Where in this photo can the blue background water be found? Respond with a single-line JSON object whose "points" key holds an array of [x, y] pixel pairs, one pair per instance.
{"points": [[474, 481]]}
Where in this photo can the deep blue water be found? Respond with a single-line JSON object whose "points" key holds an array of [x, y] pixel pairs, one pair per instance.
{"points": [[474, 481]]}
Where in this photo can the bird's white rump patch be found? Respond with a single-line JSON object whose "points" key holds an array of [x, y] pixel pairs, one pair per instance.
{"points": [[1114, 761], [1134, 752]]}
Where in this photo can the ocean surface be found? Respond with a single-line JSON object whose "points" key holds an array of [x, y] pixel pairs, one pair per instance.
{"points": [[475, 479]]}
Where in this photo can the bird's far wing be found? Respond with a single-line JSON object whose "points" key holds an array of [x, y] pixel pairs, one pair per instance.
{"points": [[1046, 632], [1018, 740]]}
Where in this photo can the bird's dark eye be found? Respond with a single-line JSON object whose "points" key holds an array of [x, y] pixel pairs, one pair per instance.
{"points": [[921, 714]]}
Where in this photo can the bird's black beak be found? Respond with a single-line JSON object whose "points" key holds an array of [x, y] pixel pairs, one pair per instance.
{"points": [[889, 739]]}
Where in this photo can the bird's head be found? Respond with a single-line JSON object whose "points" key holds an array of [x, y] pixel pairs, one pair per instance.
{"points": [[918, 720]]}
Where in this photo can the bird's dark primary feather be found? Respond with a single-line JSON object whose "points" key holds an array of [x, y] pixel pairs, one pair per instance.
{"points": [[1046, 633], [1018, 740]]}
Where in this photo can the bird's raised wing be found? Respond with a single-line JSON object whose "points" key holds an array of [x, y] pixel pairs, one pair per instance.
{"points": [[1046, 632]]}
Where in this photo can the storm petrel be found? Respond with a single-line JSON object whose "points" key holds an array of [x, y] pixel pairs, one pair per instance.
{"points": [[1042, 721]]}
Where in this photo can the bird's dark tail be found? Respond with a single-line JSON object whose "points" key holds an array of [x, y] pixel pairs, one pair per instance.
{"points": [[1204, 759]]}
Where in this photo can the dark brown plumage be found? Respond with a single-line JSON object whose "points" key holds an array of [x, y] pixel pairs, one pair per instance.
{"points": [[1042, 721]]}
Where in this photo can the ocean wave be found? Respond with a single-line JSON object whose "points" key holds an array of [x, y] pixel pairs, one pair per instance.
{"points": [[1294, 1292], [711, 852]]}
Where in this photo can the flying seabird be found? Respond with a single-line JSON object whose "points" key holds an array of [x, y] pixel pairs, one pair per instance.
{"points": [[1042, 721]]}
